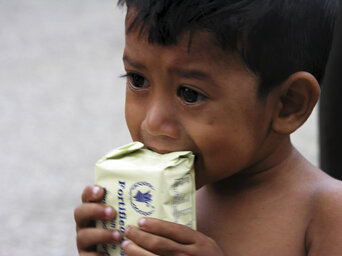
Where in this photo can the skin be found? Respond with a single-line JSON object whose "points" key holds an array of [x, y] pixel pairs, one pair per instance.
{"points": [[256, 194]]}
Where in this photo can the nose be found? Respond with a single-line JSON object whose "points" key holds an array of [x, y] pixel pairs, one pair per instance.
{"points": [[161, 118]]}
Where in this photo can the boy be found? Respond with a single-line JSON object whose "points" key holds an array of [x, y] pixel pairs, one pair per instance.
{"points": [[230, 81]]}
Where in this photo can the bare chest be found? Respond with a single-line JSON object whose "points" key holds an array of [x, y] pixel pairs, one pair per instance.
{"points": [[273, 226]]}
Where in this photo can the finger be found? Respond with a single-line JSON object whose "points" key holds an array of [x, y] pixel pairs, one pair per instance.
{"points": [[92, 193], [88, 212], [153, 243], [89, 237], [176, 232], [132, 249]]}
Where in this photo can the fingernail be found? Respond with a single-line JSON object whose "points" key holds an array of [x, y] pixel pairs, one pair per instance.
{"points": [[142, 222], [108, 211], [116, 235], [96, 190], [124, 244]]}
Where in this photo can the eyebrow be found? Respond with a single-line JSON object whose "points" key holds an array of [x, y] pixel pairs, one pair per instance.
{"points": [[133, 63], [184, 73], [192, 74]]}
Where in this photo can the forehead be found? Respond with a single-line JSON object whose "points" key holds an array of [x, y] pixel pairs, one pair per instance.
{"points": [[199, 48], [196, 43]]}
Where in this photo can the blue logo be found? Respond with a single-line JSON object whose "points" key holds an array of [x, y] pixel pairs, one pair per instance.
{"points": [[141, 197]]}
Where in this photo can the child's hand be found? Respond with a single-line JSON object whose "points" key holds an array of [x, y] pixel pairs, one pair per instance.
{"points": [[157, 237], [85, 215]]}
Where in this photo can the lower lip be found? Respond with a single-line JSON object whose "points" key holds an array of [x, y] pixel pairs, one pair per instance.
{"points": [[159, 151]]}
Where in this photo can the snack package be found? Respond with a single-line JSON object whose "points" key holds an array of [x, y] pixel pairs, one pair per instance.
{"points": [[141, 183]]}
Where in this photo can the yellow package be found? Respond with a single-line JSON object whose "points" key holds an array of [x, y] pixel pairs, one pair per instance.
{"points": [[141, 183]]}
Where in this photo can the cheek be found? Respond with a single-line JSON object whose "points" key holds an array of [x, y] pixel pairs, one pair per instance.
{"points": [[134, 114], [225, 148]]}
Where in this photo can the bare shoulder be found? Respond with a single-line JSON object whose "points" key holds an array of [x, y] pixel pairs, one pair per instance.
{"points": [[327, 196], [324, 234]]}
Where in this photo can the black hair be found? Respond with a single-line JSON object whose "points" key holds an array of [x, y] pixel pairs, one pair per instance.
{"points": [[275, 38]]}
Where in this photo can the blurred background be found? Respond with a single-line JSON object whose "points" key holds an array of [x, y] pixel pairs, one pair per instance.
{"points": [[61, 109]]}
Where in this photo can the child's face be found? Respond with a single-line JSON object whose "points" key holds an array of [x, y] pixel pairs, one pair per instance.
{"points": [[203, 100]]}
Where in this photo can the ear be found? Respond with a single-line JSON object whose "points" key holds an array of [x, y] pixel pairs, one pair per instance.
{"points": [[298, 96]]}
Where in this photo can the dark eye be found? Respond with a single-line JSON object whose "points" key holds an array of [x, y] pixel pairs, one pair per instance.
{"points": [[189, 96], [137, 81]]}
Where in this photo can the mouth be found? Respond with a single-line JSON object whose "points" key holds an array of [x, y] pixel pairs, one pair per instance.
{"points": [[166, 148], [160, 151]]}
